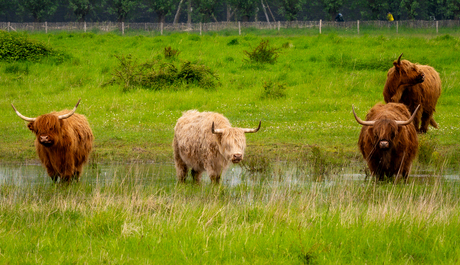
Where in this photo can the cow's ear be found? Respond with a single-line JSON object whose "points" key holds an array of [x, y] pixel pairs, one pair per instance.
{"points": [[31, 126]]}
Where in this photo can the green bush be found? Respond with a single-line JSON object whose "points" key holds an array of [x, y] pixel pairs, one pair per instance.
{"points": [[263, 53], [19, 47], [160, 75]]}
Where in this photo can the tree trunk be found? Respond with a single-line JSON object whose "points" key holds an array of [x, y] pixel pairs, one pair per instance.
{"points": [[189, 13], [265, 11], [176, 17]]}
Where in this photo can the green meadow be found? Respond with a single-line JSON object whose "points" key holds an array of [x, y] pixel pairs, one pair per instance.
{"points": [[304, 100]]}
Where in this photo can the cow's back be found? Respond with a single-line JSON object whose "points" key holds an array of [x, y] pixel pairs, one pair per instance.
{"points": [[426, 93], [193, 138]]}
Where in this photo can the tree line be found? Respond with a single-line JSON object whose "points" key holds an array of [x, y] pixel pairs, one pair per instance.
{"points": [[192, 11]]}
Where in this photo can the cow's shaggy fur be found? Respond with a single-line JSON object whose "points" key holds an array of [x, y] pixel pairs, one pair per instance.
{"points": [[197, 147], [387, 147], [63, 146], [413, 85]]}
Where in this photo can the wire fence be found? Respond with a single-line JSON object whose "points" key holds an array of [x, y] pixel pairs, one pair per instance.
{"points": [[161, 28]]}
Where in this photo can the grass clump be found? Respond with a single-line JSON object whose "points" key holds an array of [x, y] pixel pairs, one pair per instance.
{"points": [[170, 53], [233, 42], [263, 53], [18, 47], [274, 90], [159, 75]]}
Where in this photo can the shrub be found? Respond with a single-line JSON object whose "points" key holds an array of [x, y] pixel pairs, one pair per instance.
{"points": [[159, 75], [170, 53], [129, 72], [273, 90], [18, 47], [263, 53]]}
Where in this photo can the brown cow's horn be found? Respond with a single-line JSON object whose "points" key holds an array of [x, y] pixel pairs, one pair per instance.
{"points": [[216, 131], [399, 58], [401, 123], [22, 116], [365, 123], [65, 116], [252, 130]]}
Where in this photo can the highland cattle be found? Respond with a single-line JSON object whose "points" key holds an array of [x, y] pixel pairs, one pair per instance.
{"points": [[63, 142], [206, 141], [388, 140], [413, 84]]}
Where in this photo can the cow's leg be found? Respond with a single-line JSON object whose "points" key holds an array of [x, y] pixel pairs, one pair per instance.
{"points": [[181, 169], [426, 119], [196, 175], [215, 178], [52, 173]]}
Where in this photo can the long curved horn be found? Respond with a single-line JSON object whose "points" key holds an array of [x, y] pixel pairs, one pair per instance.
{"points": [[402, 123], [65, 116], [252, 130], [22, 116], [365, 123], [216, 131], [399, 58]]}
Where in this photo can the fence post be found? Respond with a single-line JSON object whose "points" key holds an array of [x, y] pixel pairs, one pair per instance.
{"points": [[279, 25], [200, 28], [8, 26], [397, 25], [436, 27], [161, 28], [122, 28], [358, 27], [239, 27], [46, 27], [320, 22], [84, 26]]}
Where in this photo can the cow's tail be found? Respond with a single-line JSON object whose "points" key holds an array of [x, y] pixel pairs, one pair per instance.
{"points": [[433, 123]]}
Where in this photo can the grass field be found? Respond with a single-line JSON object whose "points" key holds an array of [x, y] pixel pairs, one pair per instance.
{"points": [[324, 75], [144, 217]]}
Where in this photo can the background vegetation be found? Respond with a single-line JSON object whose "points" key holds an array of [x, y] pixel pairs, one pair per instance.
{"points": [[222, 10]]}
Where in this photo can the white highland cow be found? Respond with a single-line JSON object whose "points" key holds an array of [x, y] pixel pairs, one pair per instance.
{"points": [[206, 141]]}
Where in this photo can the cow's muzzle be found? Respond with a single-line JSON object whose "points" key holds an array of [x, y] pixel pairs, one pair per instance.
{"points": [[46, 141], [384, 144], [236, 158], [421, 78]]}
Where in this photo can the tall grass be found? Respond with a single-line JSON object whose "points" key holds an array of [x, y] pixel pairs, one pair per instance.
{"points": [[134, 220]]}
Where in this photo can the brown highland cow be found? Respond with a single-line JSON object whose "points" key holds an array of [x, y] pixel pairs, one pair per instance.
{"points": [[205, 141], [388, 140], [413, 85], [64, 141]]}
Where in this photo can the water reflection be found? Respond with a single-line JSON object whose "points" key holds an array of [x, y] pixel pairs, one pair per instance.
{"points": [[163, 174]]}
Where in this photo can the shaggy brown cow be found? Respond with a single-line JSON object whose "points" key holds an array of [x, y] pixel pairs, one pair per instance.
{"points": [[205, 141], [388, 140], [413, 85], [64, 141]]}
